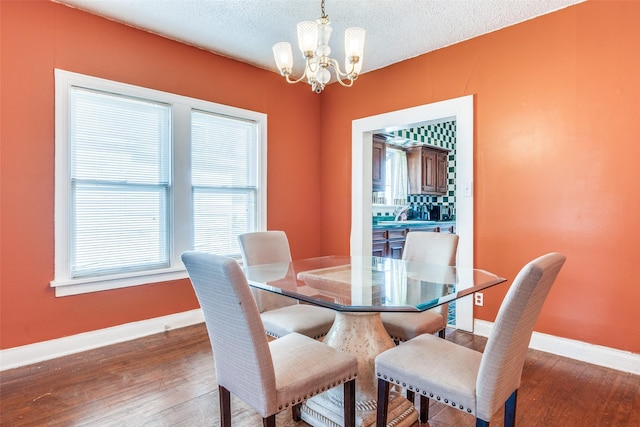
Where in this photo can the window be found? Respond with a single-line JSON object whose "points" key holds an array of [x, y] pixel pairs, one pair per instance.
{"points": [[142, 176], [396, 173], [224, 187]]}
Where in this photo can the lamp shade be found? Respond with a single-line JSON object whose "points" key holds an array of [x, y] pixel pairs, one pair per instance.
{"points": [[354, 42], [307, 36], [283, 56]]}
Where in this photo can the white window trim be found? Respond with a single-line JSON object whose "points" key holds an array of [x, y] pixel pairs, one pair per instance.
{"points": [[181, 230]]}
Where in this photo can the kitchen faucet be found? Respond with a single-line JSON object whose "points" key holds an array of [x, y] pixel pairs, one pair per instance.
{"points": [[399, 211]]}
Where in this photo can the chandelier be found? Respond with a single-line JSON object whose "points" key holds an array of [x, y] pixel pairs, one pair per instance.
{"points": [[313, 40]]}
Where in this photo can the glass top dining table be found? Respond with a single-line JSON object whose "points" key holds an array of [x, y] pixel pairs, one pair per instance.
{"points": [[359, 289], [367, 283]]}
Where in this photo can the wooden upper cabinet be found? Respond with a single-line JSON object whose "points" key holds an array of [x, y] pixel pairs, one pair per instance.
{"points": [[428, 170], [378, 170], [442, 172]]}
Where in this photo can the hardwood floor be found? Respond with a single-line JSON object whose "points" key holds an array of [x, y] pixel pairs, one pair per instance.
{"points": [[168, 379]]}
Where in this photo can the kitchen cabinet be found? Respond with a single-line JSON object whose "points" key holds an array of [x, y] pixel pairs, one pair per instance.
{"points": [[379, 243], [442, 172], [395, 242], [378, 169], [428, 170], [388, 241]]}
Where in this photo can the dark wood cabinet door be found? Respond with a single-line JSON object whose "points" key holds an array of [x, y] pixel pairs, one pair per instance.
{"points": [[379, 243], [378, 167], [379, 250], [442, 174], [396, 247], [395, 242], [429, 171]]}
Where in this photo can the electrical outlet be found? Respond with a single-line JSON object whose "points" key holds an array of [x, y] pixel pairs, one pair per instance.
{"points": [[478, 299]]}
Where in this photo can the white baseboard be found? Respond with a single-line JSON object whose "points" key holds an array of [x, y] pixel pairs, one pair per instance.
{"points": [[598, 355], [45, 350], [33, 353]]}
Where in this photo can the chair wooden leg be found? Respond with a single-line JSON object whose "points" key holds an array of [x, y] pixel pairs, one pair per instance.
{"points": [[296, 411], [383, 403], [225, 407], [349, 391], [424, 409], [270, 421], [411, 396], [510, 410]]}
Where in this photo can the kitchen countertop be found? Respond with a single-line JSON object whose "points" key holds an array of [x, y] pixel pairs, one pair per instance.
{"points": [[413, 223]]}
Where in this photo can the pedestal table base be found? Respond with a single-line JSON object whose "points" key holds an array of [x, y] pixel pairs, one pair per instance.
{"points": [[363, 335]]}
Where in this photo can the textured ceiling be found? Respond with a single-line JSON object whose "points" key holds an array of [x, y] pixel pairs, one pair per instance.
{"points": [[247, 29]]}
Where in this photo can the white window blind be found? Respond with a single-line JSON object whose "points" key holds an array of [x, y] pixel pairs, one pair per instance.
{"points": [[224, 174], [120, 163], [144, 175]]}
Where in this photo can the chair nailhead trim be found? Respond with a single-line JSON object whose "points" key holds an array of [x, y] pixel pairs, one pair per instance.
{"points": [[469, 410], [318, 391]]}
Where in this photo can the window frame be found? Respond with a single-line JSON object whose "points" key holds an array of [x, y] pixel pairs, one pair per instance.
{"points": [[180, 194]]}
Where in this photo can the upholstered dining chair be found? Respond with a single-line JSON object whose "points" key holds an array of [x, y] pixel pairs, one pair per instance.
{"points": [[470, 381], [432, 248], [281, 315], [268, 376]]}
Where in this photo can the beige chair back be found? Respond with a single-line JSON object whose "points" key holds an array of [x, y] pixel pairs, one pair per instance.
{"points": [[434, 248], [266, 247], [501, 367], [235, 328]]}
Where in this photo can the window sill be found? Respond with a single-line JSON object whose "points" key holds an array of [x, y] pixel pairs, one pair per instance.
{"points": [[96, 284]]}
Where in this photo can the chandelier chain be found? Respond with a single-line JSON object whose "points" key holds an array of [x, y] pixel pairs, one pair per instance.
{"points": [[324, 15]]}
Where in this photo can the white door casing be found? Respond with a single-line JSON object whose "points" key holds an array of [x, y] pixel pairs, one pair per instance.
{"points": [[458, 109]]}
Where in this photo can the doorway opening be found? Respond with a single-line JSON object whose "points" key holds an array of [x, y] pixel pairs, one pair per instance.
{"points": [[459, 110]]}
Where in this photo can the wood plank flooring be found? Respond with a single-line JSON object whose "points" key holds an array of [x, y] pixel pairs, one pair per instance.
{"points": [[168, 379]]}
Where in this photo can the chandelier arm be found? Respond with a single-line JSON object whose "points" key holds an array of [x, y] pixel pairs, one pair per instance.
{"points": [[308, 67], [339, 80], [295, 81], [339, 74], [336, 66]]}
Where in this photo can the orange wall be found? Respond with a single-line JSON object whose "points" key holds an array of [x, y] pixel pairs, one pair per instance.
{"points": [[557, 146], [556, 111], [38, 36]]}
